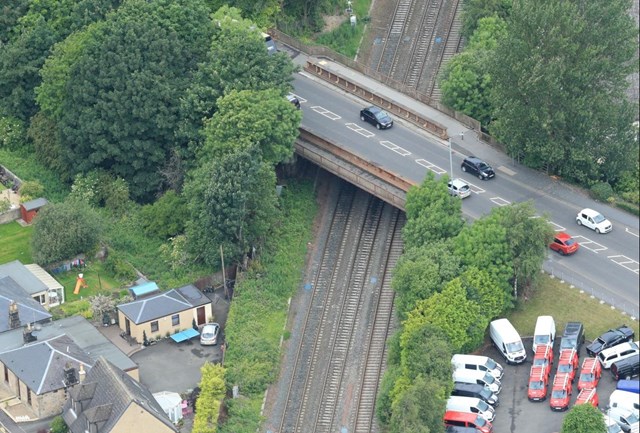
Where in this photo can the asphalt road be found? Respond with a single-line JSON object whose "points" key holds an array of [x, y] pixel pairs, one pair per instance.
{"points": [[607, 265]]}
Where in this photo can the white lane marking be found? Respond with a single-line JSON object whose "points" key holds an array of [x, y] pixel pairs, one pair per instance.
{"points": [[557, 227], [326, 113], [625, 262], [360, 130], [589, 244], [300, 98], [397, 149], [475, 188], [626, 229], [434, 168], [500, 201]]}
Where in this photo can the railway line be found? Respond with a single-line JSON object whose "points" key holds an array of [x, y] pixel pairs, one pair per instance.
{"points": [[340, 358]]}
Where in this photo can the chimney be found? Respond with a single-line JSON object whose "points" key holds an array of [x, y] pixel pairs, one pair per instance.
{"points": [[82, 373], [14, 318], [27, 334]]}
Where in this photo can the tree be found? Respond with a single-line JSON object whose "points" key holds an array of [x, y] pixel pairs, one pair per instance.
{"points": [[10, 13], [563, 68], [30, 190], [101, 304], [58, 425], [481, 289], [43, 132], [426, 352], [166, 217], [475, 10], [583, 418], [63, 230], [419, 408], [212, 391], [432, 213]]}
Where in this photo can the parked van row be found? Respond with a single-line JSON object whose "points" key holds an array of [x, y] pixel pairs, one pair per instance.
{"points": [[507, 340]]}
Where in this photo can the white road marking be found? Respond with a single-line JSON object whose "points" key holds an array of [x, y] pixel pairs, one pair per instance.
{"points": [[397, 149], [589, 244], [500, 201], [360, 130], [557, 227], [326, 113], [475, 188], [625, 262], [434, 168], [300, 98], [626, 229]]}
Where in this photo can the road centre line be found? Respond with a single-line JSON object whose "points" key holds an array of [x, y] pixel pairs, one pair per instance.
{"points": [[434, 168], [326, 113], [360, 130], [625, 262], [394, 147]]}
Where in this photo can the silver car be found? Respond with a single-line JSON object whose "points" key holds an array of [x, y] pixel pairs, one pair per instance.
{"points": [[209, 335]]}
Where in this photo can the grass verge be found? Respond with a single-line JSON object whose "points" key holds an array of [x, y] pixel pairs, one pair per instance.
{"points": [[345, 39], [16, 243]]}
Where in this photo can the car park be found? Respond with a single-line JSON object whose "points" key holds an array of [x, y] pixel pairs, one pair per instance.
{"points": [[377, 117], [471, 405], [625, 400], [507, 340], [617, 353], [588, 395], [627, 421], [626, 368], [568, 363], [466, 419], [459, 188], [538, 381], [477, 167], [594, 220], [209, 334], [564, 244], [543, 359], [560, 392], [629, 385], [609, 339], [475, 390], [573, 336], [476, 362], [589, 374], [478, 377], [545, 332]]}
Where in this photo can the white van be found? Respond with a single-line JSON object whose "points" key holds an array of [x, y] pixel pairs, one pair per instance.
{"points": [[617, 352], [612, 426], [473, 405], [505, 337], [625, 400], [545, 332], [479, 377], [477, 362], [627, 420]]}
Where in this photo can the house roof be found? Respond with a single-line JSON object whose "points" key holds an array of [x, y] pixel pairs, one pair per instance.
{"points": [[44, 276], [34, 204], [83, 334], [29, 311], [41, 365], [164, 304], [23, 276], [106, 393]]}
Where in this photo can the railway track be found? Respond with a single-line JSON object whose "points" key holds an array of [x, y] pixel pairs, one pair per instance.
{"points": [[394, 37], [348, 315]]}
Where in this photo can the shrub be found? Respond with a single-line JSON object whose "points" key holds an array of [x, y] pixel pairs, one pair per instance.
{"points": [[631, 208], [119, 268], [58, 425], [12, 134], [601, 191], [30, 189], [5, 205]]}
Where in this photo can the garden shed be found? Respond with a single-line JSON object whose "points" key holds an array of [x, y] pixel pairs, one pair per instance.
{"points": [[30, 209]]}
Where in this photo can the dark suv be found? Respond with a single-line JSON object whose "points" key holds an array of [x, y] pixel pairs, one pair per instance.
{"points": [[610, 339], [476, 391], [573, 336], [477, 167], [626, 368]]}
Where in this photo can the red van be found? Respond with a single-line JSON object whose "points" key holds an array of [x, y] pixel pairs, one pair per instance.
{"points": [[467, 419], [590, 374], [588, 395]]}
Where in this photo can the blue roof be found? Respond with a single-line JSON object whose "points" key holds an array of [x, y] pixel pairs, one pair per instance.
{"points": [[144, 289]]}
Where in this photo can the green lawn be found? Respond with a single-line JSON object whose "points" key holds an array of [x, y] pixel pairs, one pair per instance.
{"points": [[567, 304], [94, 275], [16, 243]]}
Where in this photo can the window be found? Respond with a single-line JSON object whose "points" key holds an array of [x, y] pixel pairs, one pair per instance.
{"points": [[175, 320], [40, 299], [154, 326]]}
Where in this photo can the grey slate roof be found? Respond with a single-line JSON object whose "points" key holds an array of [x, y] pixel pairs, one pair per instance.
{"points": [[106, 393], [83, 334], [23, 276], [34, 204], [41, 365], [164, 304], [29, 310]]}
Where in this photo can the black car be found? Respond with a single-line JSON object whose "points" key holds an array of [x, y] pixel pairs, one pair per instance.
{"points": [[573, 336], [626, 368], [377, 117], [609, 339], [477, 167], [476, 391]]}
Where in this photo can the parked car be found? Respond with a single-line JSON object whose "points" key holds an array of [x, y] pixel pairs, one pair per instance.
{"points": [[626, 368], [573, 336], [480, 377], [209, 335], [609, 339], [294, 100], [611, 425], [568, 363], [594, 220], [507, 340], [544, 358], [475, 390], [472, 405], [564, 244], [538, 380], [545, 332], [459, 188], [617, 353], [466, 419], [478, 168], [377, 117], [627, 421], [589, 374], [560, 392], [477, 362], [588, 395], [456, 429]]}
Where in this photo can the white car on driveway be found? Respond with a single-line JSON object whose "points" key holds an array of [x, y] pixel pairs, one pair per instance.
{"points": [[594, 220], [209, 335]]}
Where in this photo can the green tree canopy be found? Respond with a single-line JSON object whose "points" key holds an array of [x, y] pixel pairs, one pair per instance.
{"points": [[559, 79], [426, 351], [166, 217], [419, 407], [484, 291], [583, 418], [475, 10]]}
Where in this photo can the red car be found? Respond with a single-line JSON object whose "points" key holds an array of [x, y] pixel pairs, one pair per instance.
{"points": [[544, 358], [568, 363], [560, 393], [564, 244], [589, 374], [467, 419], [588, 395], [538, 380]]}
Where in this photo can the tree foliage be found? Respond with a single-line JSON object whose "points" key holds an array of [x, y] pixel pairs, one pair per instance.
{"points": [[212, 391], [63, 230], [166, 217], [426, 351], [475, 10], [583, 418], [419, 407], [484, 291], [559, 79]]}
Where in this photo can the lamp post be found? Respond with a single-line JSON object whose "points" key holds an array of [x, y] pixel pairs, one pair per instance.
{"points": [[450, 161]]}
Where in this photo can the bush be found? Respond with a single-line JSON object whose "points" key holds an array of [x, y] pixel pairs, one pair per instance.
{"points": [[601, 191], [58, 425], [631, 208], [119, 268], [30, 189], [12, 134]]}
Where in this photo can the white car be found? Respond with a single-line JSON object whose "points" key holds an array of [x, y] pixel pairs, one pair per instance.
{"points": [[209, 335], [459, 188], [594, 220], [618, 352]]}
